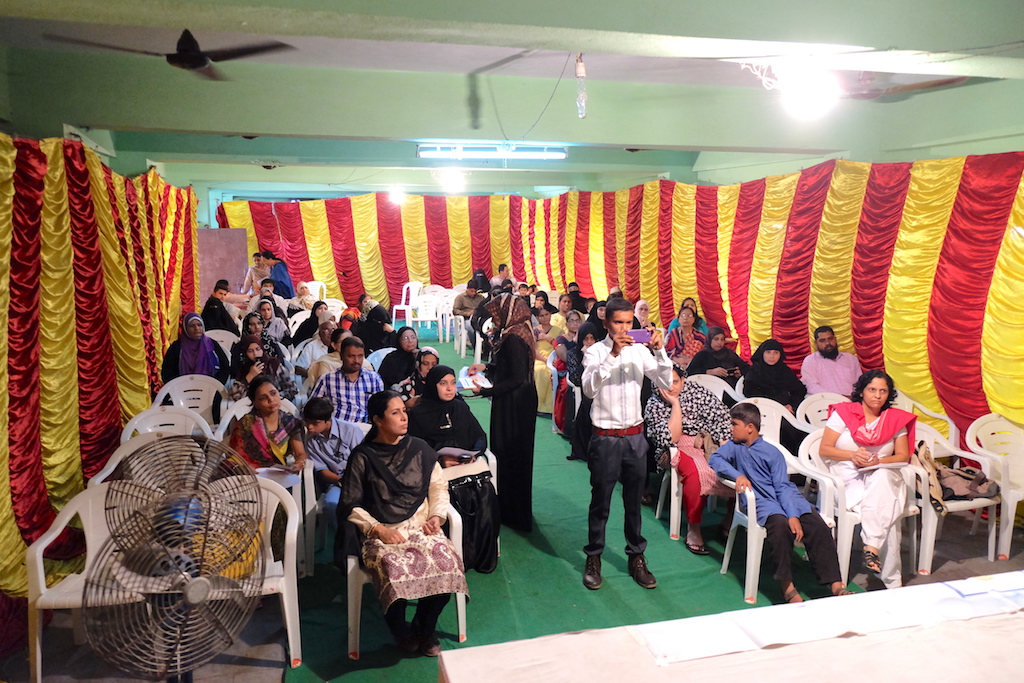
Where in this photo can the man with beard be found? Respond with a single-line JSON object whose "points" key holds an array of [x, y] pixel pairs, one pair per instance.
{"points": [[829, 369]]}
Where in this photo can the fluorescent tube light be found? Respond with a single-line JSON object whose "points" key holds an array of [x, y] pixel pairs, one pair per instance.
{"points": [[505, 151]]}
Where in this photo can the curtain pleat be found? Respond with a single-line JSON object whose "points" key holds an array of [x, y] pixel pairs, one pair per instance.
{"points": [[457, 221], [264, 224], [705, 252], [515, 238], [317, 233], [501, 251], [629, 276], [367, 238], [598, 260], [529, 232], [728, 202], [741, 254], [561, 234], [343, 246], [764, 272], [684, 267], [438, 244], [145, 303], [649, 247], [293, 250], [663, 306], [480, 234], [414, 227], [612, 272], [392, 245]]}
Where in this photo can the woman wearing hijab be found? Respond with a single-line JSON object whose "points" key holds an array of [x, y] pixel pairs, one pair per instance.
{"points": [[412, 387], [770, 377], [597, 320], [395, 494], [717, 359], [193, 353], [540, 300], [642, 314], [303, 300], [250, 362], [253, 324], [307, 328], [582, 427], [513, 407], [442, 418], [401, 362], [374, 326]]}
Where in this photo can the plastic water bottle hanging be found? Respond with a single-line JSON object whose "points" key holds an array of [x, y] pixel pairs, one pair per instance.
{"points": [[581, 86]]}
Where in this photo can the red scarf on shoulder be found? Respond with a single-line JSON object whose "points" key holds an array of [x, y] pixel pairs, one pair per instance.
{"points": [[885, 429]]}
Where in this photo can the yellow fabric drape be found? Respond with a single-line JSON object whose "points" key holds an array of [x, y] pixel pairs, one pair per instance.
{"points": [[1002, 340], [12, 547], [929, 203], [728, 202], [540, 232], [459, 239], [174, 239], [649, 248], [166, 333], [558, 284], [125, 328], [193, 230], [833, 257], [621, 216], [154, 287], [684, 235], [501, 252], [572, 205], [414, 228], [771, 237], [597, 275], [318, 244], [239, 216], [58, 350], [364, 222]]}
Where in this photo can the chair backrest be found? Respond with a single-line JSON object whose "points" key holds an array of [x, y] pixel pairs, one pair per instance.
{"points": [[426, 307], [905, 402], [773, 414], [459, 288], [739, 387], [432, 289], [225, 339], [377, 356], [336, 307], [317, 289], [814, 408], [995, 434], [168, 419], [299, 347], [716, 385], [194, 392], [121, 452], [296, 320], [809, 447], [410, 290], [240, 408]]}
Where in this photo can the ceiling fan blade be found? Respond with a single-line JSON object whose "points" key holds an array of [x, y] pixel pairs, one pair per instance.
{"points": [[103, 46], [925, 85], [246, 51], [187, 43], [210, 73]]}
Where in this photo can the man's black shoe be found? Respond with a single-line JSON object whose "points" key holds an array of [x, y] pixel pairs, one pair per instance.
{"points": [[638, 570], [592, 574]]}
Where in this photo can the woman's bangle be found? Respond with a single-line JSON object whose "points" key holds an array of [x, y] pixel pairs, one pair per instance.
{"points": [[372, 529]]}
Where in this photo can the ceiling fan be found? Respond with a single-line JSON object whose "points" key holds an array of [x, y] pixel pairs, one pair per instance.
{"points": [[188, 55]]}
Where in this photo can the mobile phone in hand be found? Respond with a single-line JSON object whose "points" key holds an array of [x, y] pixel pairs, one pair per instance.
{"points": [[640, 336]]}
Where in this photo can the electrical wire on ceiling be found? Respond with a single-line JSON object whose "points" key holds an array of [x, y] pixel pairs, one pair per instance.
{"points": [[497, 113]]}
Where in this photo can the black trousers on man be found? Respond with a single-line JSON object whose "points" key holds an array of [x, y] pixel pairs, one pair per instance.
{"points": [[821, 548], [613, 459]]}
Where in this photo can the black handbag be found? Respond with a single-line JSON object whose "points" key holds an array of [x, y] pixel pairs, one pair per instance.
{"points": [[474, 498]]}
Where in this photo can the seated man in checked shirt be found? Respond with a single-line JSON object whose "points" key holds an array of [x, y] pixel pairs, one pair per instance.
{"points": [[349, 387]]}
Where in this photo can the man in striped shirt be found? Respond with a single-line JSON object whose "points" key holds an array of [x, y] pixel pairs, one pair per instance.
{"points": [[349, 387]]}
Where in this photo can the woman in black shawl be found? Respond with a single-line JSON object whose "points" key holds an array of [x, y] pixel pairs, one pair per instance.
{"points": [[395, 494], [253, 324], [309, 326], [374, 326], [513, 407], [582, 427], [717, 359], [770, 377], [597, 320], [401, 362], [442, 418], [540, 300]]}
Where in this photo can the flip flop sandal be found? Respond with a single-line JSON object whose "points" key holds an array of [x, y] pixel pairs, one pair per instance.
{"points": [[696, 549], [872, 563], [790, 596]]}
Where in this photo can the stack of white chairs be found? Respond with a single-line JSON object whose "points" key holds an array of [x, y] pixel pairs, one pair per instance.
{"points": [[994, 435], [404, 308], [296, 320]]}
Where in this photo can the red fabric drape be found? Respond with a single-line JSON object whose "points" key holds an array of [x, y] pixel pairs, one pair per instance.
{"points": [[264, 223], [146, 307], [32, 509], [293, 242], [630, 280], [392, 245], [974, 236], [480, 233], [581, 249], [879, 226], [188, 273], [343, 245], [705, 248], [611, 248], [666, 301], [515, 237], [563, 212], [741, 256], [531, 265], [122, 239], [175, 228], [548, 245], [439, 249], [793, 283], [222, 218], [99, 411]]}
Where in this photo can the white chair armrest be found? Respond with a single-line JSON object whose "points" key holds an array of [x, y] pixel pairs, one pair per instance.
{"points": [[748, 497], [34, 553], [1002, 464]]}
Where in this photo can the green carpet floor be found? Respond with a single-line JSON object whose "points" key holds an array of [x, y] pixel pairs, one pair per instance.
{"points": [[536, 589]]}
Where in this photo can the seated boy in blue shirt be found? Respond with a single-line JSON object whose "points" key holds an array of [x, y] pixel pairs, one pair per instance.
{"points": [[756, 465], [328, 442]]}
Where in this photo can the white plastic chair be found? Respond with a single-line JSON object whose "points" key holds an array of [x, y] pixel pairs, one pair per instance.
{"points": [[240, 408], [194, 392], [446, 300], [404, 308], [317, 289], [993, 434], [846, 519], [281, 577], [814, 408], [461, 335], [745, 516], [298, 349], [427, 310], [375, 358], [931, 522], [739, 387], [554, 387], [296, 320], [905, 402], [169, 419], [460, 288], [672, 486], [119, 454], [357, 577], [773, 414], [335, 306], [717, 386], [225, 339], [432, 289]]}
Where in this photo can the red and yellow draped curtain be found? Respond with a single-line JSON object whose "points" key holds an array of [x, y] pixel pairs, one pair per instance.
{"points": [[917, 266], [94, 271]]}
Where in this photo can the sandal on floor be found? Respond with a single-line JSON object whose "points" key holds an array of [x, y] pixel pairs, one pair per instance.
{"points": [[790, 596], [872, 563], [696, 549], [842, 591]]}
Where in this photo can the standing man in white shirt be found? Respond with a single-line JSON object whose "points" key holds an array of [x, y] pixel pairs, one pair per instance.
{"points": [[613, 376], [829, 369]]}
